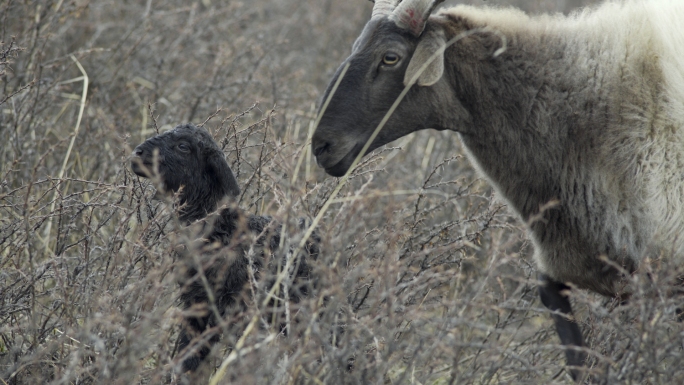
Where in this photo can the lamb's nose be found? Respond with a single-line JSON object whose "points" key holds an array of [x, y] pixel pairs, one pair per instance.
{"points": [[138, 151]]}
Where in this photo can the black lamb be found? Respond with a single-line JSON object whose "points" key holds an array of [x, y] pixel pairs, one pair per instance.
{"points": [[189, 163]]}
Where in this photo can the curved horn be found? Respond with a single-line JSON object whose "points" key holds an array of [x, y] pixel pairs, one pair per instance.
{"points": [[413, 14], [383, 7]]}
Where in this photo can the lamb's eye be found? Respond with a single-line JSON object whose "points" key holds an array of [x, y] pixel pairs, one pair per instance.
{"points": [[390, 59], [184, 147]]}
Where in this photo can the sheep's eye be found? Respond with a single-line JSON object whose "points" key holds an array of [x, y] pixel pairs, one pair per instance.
{"points": [[184, 147], [390, 59]]}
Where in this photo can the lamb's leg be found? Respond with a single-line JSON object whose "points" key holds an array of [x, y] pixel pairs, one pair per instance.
{"points": [[569, 332], [194, 328], [193, 293]]}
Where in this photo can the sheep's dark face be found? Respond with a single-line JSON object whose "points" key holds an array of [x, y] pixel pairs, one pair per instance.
{"points": [[187, 157], [376, 74]]}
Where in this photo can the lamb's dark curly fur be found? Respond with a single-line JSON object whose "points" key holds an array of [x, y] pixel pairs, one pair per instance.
{"points": [[189, 162]]}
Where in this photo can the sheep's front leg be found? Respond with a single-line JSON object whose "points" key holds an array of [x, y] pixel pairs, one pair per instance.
{"points": [[552, 296]]}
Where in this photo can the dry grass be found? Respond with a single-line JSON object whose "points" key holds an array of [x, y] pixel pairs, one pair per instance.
{"points": [[424, 277]]}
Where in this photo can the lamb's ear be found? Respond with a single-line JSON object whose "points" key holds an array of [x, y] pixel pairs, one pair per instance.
{"points": [[431, 42], [220, 173]]}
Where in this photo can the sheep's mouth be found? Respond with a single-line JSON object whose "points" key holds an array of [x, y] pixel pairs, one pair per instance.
{"points": [[340, 168], [141, 168]]}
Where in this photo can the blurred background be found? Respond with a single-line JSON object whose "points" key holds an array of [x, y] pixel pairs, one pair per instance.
{"points": [[424, 276]]}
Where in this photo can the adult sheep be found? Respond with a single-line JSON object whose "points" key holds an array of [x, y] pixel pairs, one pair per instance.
{"points": [[188, 162], [586, 111]]}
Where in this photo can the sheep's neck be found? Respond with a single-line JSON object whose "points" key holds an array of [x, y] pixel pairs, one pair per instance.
{"points": [[195, 209], [512, 137]]}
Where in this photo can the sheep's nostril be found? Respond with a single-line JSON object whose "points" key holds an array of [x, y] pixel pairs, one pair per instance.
{"points": [[321, 148], [138, 151]]}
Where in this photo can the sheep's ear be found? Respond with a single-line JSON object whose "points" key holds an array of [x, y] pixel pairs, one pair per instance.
{"points": [[431, 46], [219, 172]]}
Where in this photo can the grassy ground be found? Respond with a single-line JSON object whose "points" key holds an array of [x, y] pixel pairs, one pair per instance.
{"points": [[427, 278]]}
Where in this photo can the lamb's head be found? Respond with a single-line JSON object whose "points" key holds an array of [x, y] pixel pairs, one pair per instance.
{"points": [[394, 48], [187, 157]]}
